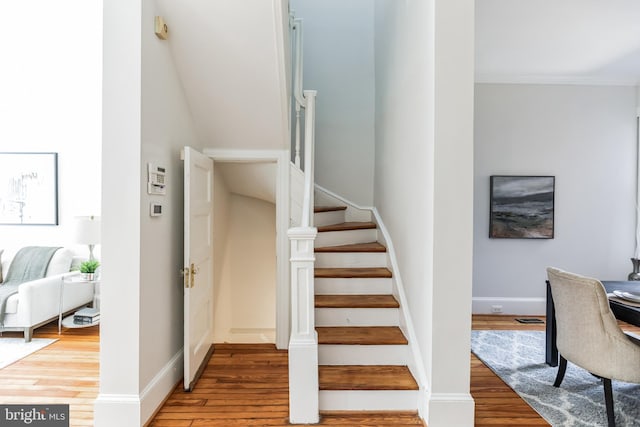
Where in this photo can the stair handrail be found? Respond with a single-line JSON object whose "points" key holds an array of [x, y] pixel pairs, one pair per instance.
{"points": [[298, 95], [304, 99], [309, 154]]}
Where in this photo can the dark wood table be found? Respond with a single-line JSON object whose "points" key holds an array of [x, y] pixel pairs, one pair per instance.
{"points": [[622, 312]]}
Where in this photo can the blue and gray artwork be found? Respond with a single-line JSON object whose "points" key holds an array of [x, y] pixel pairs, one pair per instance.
{"points": [[522, 207]]}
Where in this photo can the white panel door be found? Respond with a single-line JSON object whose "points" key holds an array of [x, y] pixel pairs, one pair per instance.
{"points": [[198, 264]]}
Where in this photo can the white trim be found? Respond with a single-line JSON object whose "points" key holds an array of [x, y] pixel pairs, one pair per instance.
{"points": [[238, 155], [281, 157], [160, 386], [554, 79], [342, 199], [135, 410], [450, 410], [518, 306], [122, 410], [417, 365], [368, 400], [303, 381], [355, 213]]}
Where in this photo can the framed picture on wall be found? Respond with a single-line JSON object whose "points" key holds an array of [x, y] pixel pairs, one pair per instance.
{"points": [[29, 188], [522, 207]]}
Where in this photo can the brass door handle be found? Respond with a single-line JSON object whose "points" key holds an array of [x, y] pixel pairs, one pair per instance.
{"points": [[194, 270], [188, 273]]}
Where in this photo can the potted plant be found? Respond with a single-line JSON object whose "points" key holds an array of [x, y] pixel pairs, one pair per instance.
{"points": [[88, 269]]}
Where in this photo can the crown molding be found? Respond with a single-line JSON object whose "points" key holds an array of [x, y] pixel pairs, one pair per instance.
{"points": [[547, 79]]}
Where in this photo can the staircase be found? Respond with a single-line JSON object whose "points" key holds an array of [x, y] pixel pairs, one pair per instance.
{"points": [[362, 352]]}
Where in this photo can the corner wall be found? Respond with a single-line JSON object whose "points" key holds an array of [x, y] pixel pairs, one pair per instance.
{"points": [[586, 137], [339, 64], [424, 183], [146, 119]]}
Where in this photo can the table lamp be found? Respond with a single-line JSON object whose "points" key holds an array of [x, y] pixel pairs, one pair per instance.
{"points": [[88, 232]]}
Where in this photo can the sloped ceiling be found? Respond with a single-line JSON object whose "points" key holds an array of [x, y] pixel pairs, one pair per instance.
{"points": [[228, 54], [256, 180], [573, 41]]}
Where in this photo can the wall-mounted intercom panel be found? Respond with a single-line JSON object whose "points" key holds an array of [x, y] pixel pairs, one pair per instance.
{"points": [[156, 183]]}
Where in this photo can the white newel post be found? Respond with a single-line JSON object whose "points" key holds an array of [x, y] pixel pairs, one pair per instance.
{"points": [[303, 346]]}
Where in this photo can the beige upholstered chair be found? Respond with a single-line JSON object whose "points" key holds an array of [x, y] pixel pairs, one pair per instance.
{"points": [[588, 334]]}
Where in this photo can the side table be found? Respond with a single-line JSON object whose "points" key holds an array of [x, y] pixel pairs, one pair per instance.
{"points": [[67, 322]]}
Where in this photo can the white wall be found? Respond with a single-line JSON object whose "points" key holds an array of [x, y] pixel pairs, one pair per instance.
{"points": [[50, 83], [247, 297], [145, 119], [221, 226], [585, 137], [231, 59], [339, 64], [424, 183]]}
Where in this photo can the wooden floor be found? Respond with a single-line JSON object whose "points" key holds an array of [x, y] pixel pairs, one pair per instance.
{"points": [[244, 386], [63, 372]]}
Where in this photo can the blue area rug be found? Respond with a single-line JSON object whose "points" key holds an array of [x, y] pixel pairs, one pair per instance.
{"points": [[517, 357]]}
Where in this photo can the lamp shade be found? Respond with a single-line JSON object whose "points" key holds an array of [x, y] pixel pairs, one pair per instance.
{"points": [[88, 230]]}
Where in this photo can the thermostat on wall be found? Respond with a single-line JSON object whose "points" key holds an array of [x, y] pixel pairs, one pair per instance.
{"points": [[156, 183], [155, 209]]}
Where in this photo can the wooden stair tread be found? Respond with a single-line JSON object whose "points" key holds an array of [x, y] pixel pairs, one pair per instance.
{"points": [[318, 209], [356, 301], [346, 226], [349, 273], [370, 377], [361, 335], [356, 247]]}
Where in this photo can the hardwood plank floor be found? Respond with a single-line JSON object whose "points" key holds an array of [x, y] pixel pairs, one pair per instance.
{"points": [[248, 385], [64, 372], [240, 388]]}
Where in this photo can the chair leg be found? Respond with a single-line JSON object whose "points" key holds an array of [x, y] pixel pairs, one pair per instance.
{"points": [[562, 368], [608, 401]]}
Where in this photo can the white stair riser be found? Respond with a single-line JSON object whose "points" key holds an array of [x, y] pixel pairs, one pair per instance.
{"points": [[350, 259], [346, 237], [368, 400], [341, 354], [342, 286], [357, 317], [328, 218]]}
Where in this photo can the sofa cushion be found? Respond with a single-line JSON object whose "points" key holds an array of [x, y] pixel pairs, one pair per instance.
{"points": [[1, 250], [60, 262]]}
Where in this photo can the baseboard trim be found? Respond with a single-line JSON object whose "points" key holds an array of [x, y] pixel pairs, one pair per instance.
{"points": [[450, 410], [517, 306], [134, 410], [161, 385]]}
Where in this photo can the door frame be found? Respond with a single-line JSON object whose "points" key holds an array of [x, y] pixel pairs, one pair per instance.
{"points": [[281, 157]]}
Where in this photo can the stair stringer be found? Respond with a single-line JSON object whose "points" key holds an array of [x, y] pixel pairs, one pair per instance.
{"points": [[354, 212]]}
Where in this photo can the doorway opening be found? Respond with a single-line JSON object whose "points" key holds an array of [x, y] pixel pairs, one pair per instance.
{"points": [[244, 236]]}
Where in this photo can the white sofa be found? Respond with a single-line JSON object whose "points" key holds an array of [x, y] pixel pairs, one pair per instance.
{"points": [[38, 302]]}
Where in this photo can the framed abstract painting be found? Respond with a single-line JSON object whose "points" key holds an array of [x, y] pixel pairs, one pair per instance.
{"points": [[522, 207]]}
